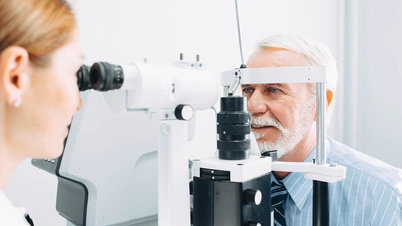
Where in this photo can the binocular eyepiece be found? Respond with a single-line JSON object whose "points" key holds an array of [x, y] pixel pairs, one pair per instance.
{"points": [[83, 78], [101, 76]]}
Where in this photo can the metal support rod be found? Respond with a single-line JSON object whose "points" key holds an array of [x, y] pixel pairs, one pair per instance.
{"points": [[239, 33], [232, 88], [320, 189], [321, 134], [320, 203]]}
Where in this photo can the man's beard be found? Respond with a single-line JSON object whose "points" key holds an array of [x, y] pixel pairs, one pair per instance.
{"points": [[287, 138]]}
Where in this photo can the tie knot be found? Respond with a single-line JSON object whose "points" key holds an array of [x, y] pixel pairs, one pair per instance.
{"points": [[278, 193], [277, 185]]}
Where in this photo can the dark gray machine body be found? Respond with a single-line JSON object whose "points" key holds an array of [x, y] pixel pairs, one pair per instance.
{"points": [[107, 174]]}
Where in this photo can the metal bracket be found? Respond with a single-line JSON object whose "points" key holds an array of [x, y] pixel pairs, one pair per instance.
{"points": [[330, 173]]}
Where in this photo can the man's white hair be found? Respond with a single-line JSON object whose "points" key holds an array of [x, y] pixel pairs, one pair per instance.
{"points": [[315, 54]]}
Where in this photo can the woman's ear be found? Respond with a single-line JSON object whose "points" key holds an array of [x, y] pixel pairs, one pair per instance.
{"points": [[14, 73]]}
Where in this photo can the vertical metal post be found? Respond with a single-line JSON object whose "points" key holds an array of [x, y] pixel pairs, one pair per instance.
{"points": [[321, 133], [173, 188], [320, 189]]}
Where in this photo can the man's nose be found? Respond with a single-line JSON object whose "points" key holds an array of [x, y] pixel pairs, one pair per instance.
{"points": [[256, 104]]}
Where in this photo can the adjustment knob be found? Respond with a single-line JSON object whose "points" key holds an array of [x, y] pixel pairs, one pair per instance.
{"points": [[184, 112], [253, 196]]}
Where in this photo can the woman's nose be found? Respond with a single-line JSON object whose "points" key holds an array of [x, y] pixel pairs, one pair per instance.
{"points": [[79, 102]]}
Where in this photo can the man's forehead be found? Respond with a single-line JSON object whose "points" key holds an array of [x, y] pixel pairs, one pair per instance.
{"points": [[285, 85]]}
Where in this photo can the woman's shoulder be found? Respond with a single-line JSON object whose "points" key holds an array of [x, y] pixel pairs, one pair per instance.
{"points": [[9, 214]]}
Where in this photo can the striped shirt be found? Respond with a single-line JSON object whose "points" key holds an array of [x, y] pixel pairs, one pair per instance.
{"points": [[371, 194]]}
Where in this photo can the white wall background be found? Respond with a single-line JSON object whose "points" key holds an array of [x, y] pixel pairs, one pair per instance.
{"points": [[125, 31], [379, 107], [369, 108]]}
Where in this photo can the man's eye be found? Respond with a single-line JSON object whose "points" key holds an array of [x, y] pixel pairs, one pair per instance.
{"points": [[247, 90], [273, 90]]}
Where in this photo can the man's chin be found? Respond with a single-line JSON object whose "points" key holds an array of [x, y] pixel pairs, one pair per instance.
{"points": [[270, 139], [266, 146], [271, 146]]}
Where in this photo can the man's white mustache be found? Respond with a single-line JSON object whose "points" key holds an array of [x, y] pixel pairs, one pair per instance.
{"points": [[265, 121]]}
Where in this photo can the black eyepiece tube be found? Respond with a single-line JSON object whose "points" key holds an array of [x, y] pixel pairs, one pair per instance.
{"points": [[105, 76], [83, 78], [233, 128]]}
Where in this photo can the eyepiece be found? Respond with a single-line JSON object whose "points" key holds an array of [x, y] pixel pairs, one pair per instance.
{"points": [[83, 78], [105, 76]]}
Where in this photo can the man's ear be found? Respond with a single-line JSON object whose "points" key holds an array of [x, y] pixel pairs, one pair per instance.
{"points": [[329, 101], [14, 73], [329, 98]]}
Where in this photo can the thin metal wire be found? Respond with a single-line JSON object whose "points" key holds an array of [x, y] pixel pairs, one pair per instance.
{"points": [[239, 33]]}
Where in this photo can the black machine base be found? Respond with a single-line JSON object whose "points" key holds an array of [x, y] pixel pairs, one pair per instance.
{"points": [[226, 203]]}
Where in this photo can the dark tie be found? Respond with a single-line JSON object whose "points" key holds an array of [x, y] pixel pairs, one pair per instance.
{"points": [[278, 195]]}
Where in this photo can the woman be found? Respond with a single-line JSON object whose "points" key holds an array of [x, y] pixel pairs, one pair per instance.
{"points": [[40, 54]]}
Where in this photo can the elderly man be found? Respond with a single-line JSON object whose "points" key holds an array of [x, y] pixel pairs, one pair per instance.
{"points": [[283, 119]]}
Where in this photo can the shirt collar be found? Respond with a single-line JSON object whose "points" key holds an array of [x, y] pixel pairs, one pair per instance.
{"points": [[297, 185]]}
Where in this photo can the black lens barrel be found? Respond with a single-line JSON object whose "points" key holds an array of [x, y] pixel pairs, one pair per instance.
{"points": [[105, 76], [233, 128], [83, 78]]}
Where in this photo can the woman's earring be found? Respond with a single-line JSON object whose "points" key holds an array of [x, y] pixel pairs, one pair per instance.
{"points": [[17, 103]]}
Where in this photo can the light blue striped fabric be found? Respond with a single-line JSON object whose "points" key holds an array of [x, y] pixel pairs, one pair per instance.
{"points": [[371, 194]]}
